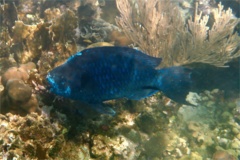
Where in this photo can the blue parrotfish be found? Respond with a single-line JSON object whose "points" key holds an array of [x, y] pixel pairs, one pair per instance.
{"points": [[99, 74]]}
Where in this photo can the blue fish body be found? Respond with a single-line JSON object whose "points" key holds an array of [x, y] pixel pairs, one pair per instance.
{"points": [[104, 73]]}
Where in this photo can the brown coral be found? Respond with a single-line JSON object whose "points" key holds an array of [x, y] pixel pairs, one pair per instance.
{"points": [[17, 96], [18, 91], [14, 73]]}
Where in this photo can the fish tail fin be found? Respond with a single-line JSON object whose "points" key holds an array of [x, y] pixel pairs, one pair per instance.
{"points": [[175, 83]]}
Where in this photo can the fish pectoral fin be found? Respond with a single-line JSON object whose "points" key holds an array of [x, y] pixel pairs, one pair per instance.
{"points": [[143, 93]]}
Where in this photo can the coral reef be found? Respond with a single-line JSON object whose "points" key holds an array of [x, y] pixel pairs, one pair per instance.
{"points": [[118, 147], [38, 36], [46, 35], [158, 129], [29, 137], [17, 96], [94, 29], [211, 125]]}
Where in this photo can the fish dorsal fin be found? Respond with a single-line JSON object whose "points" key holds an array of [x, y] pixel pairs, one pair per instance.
{"points": [[139, 56]]}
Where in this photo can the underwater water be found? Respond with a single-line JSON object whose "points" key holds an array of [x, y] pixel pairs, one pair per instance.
{"points": [[119, 80]]}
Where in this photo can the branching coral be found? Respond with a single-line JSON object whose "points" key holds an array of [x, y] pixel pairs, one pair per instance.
{"points": [[158, 29], [216, 45], [151, 25]]}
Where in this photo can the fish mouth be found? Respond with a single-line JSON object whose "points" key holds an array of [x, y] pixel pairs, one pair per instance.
{"points": [[47, 85], [56, 88], [49, 79], [50, 82]]}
